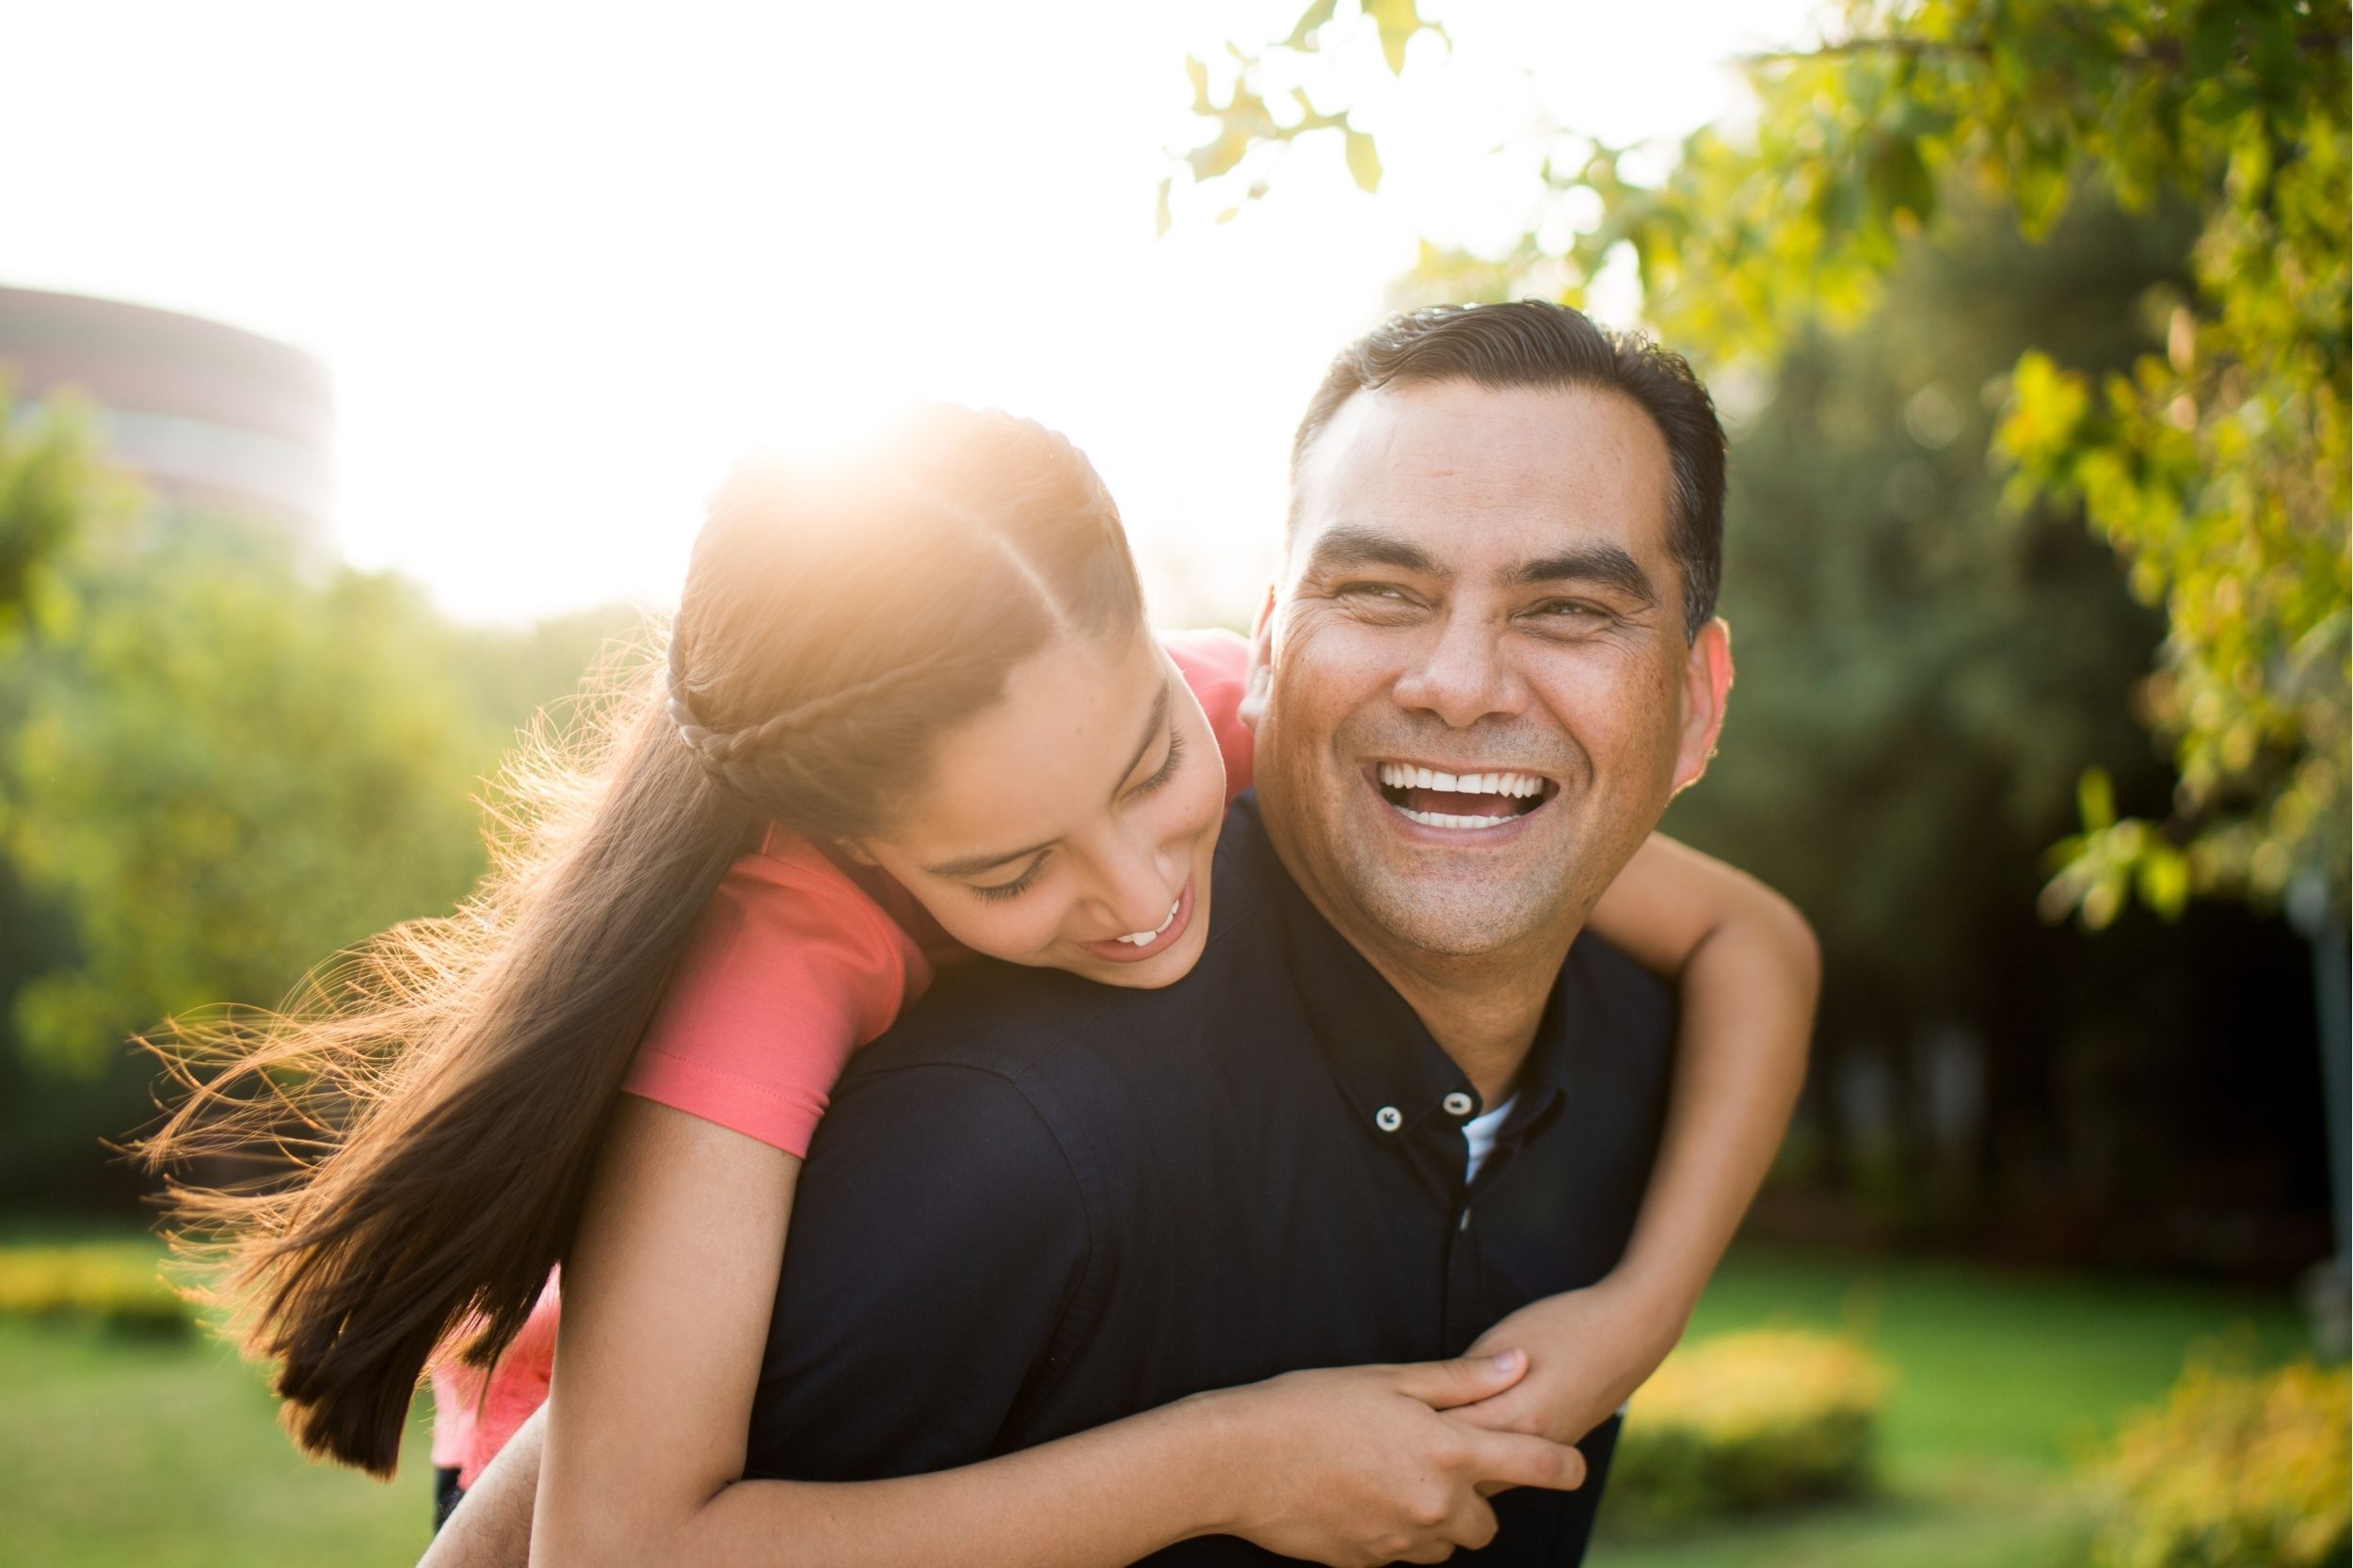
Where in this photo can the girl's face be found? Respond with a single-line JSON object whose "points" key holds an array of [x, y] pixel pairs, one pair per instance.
{"points": [[1081, 809]]}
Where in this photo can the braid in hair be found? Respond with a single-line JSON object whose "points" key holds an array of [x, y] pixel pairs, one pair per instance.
{"points": [[724, 752], [973, 472]]}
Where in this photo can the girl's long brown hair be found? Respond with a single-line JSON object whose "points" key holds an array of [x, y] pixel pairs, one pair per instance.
{"points": [[427, 1106]]}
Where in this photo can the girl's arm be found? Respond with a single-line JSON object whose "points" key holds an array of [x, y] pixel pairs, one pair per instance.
{"points": [[1747, 972], [666, 1300]]}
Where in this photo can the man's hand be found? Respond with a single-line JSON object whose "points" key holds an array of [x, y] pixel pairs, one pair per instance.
{"points": [[1588, 1351], [1358, 1465]]}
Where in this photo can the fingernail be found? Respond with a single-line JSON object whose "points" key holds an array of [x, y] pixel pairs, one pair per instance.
{"points": [[1508, 1361]]}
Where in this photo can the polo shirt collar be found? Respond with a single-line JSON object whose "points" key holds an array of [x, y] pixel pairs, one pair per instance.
{"points": [[1393, 1073]]}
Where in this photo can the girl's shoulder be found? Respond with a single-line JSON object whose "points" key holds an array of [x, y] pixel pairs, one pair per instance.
{"points": [[1211, 659], [794, 961]]}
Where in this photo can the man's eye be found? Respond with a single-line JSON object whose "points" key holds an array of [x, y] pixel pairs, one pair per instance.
{"points": [[1573, 610], [1383, 593]]}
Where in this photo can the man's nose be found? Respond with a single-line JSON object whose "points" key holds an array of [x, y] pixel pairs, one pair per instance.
{"points": [[1462, 676]]}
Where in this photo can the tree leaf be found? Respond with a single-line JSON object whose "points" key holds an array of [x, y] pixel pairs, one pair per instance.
{"points": [[2212, 38], [1898, 179], [1198, 75], [2163, 880], [1363, 160], [1397, 20], [2095, 796], [1303, 35]]}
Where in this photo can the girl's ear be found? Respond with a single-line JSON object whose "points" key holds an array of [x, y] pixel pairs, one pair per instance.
{"points": [[1262, 660]]}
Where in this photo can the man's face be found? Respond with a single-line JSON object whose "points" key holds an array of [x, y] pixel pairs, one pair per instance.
{"points": [[1477, 696]]}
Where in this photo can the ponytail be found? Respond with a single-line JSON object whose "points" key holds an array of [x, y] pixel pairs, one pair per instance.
{"points": [[437, 1097], [441, 1090]]}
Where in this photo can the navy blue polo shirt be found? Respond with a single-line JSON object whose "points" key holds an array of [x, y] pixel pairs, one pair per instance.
{"points": [[1039, 1204]]}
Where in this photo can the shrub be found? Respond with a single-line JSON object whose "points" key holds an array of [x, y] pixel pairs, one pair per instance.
{"points": [[1748, 1421], [2235, 1470], [114, 1284]]}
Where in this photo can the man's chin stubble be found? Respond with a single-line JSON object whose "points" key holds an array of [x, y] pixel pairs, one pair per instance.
{"points": [[1448, 923]]}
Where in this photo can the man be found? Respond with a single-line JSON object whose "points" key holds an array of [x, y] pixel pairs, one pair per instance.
{"points": [[1392, 1107], [1039, 1205]]}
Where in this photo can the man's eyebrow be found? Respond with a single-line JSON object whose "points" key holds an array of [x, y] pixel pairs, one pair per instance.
{"points": [[1606, 565], [973, 865], [1355, 544]]}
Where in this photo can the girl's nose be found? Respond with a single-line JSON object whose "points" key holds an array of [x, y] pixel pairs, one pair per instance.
{"points": [[1136, 892]]}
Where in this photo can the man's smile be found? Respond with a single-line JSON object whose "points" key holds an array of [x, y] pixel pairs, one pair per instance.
{"points": [[1463, 801]]}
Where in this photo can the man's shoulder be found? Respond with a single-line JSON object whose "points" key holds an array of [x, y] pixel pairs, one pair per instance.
{"points": [[1619, 1024], [1610, 989], [996, 1018], [1003, 1070], [1008, 1019]]}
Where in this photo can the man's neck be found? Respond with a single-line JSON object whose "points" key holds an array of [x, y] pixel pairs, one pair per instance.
{"points": [[1483, 1011]]}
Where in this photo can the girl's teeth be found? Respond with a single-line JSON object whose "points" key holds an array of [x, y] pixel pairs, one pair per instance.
{"points": [[1144, 938]]}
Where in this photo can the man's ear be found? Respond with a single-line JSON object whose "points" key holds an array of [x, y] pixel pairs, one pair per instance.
{"points": [[1262, 660], [1707, 687]]}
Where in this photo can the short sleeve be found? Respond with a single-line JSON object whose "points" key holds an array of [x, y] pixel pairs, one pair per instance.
{"points": [[791, 968], [457, 1396], [516, 1388], [1216, 665], [938, 1235]]}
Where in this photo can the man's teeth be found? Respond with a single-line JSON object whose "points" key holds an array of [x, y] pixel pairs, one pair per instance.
{"points": [[1144, 938], [1443, 819], [1397, 776]]}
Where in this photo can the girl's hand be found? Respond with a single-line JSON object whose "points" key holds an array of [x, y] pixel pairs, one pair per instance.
{"points": [[1358, 1465], [1588, 1351]]}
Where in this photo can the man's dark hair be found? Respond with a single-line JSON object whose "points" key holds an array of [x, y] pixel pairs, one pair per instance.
{"points": [[1534, 343]]}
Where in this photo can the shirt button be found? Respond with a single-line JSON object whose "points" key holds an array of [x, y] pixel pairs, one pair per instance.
{"points": [[1388, 1118], [1457, 1104]]}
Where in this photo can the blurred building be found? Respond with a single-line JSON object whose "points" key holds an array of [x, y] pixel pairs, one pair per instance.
{"points": [[210, 416]]}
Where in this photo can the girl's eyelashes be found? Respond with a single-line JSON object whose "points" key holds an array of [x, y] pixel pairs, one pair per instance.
{"points": [[1014, 888], [1023, 883], [1167, 768]]}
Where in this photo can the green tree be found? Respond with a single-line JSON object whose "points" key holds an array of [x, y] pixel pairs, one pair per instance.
{"points": [[2216, 463], [54, 489], [56, 497], [215, 768], [228, 771]]}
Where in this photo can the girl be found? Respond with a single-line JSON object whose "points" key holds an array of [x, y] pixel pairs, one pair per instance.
{"points": [[614, 1055]]}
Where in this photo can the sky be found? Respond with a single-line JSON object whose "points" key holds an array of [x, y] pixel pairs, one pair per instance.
{"points": [[564, 262]]}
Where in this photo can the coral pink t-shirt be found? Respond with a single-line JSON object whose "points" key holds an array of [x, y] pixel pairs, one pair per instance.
{"points": [[795, 962], [474, 1413]]}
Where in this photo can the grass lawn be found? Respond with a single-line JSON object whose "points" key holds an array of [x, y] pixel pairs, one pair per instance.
{"points": [[2002, 1383], [118, 1450]]}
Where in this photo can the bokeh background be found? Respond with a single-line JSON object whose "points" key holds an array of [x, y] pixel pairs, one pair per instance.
{"points": [[364, 372]]}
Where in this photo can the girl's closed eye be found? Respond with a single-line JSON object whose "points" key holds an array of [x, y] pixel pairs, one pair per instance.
{"points": [[1167, 769], [1027, 879], [1018, 885]]}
